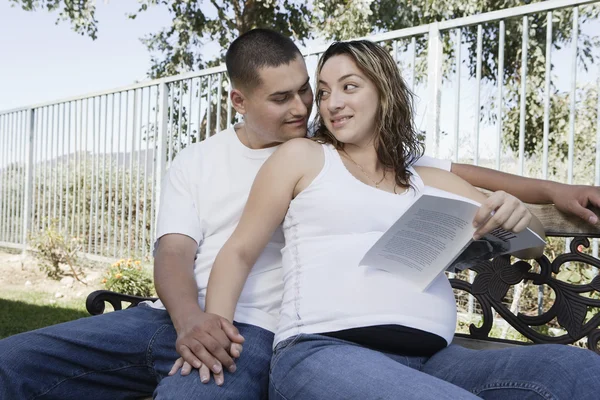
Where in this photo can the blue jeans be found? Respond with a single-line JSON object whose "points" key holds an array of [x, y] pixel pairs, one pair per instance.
{"points": [[319, 367], [121, 355]]}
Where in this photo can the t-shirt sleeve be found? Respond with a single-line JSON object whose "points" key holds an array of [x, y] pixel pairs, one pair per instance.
{"points": [[178, 211], [426, 161]]}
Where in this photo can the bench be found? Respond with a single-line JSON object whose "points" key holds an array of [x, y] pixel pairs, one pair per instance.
{"points": [[491, 284]]}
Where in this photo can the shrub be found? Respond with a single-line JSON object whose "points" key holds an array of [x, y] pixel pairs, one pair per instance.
{"points": [[128, 277], [53, 248]]}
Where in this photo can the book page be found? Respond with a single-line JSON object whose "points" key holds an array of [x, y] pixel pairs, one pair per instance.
{"points": [[432, 232], [436, 234]]}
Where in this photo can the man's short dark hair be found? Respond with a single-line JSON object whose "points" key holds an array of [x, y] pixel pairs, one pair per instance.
{"points": [[255, 49]]}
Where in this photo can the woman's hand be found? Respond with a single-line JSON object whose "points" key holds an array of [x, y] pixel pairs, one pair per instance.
{"points": [[501, 210], [206, 339], [204, 371]]}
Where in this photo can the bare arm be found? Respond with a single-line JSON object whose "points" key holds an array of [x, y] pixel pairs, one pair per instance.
{"points": [[174, 277], [570, 199], [267, 205], [201, 338], [510, 213], [529, 190]]}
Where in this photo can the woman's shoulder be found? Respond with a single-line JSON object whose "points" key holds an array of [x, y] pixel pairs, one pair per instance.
{"points": [[300, 156], [300, 149], [301, 144]]}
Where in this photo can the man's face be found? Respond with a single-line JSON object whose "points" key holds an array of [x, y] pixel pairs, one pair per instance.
{"points": [[277, 109]]}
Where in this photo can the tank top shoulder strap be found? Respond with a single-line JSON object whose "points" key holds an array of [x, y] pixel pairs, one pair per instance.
{"points": [[333, 161], [332, 156], [327, 161], [331, 164], [328, 150]]}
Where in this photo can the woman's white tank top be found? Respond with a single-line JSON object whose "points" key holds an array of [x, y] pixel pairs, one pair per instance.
{"points": [[328, 229]]}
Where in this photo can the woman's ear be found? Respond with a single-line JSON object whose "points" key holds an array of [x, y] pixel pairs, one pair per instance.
{"points": [[238, 101]]}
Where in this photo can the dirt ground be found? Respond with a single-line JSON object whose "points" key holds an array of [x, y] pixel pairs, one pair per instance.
{"points": [[22, 273]]}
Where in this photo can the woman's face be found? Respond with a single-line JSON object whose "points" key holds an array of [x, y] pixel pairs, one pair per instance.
{"points": [[349, 101]]}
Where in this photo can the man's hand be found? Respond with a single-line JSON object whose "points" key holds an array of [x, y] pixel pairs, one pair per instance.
{"points": [[573, 199], [205, 340], [235, 352], [501, 209]]}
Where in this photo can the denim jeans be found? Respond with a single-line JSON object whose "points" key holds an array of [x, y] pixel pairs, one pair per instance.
{"points": [[319, 367], [121, 355]]}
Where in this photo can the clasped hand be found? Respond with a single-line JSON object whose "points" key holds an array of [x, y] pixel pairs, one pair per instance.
{"points": [[208, 343]]}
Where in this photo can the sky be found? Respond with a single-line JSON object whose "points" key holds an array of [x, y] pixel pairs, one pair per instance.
{"points": [[42, 61]]}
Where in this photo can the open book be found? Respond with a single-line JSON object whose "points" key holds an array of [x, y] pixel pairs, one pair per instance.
{"points": [[436, 234]]}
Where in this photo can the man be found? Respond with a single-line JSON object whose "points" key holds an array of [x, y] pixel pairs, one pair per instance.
{"points": [[129, 353]]}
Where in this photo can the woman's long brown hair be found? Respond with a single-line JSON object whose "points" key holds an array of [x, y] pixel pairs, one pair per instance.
{"points": [[397, 143]]}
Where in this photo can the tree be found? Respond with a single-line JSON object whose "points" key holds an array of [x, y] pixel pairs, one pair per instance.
{"points": [[81, 13], [179, 48], [352, 18], [584, 149], [196, 23]]}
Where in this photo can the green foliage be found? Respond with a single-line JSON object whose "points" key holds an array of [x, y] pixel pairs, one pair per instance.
{"points": [[178, 48], [54, 248], [102, 204], [348, 19], [182, 118], [81, 13], [463, 326], [345, 19], [11, 202], [129, 277], [181, 47], [586, 104]]}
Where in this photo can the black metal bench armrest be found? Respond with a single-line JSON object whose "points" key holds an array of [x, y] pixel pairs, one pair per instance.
{"points": [[95, 302], [570, 308]]}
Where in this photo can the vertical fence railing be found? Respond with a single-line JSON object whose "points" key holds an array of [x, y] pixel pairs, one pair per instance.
{"points": [[91, 166], [15, 133], [434, 83], [29, 137]]}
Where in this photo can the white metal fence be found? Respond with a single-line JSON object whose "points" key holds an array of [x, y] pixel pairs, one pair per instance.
{"points": [[91, 165]]}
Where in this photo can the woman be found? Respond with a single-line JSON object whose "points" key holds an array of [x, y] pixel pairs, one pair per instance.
{"points": [[348, 330]]}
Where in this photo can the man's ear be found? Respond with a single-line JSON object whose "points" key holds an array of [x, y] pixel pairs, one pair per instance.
{"points": [[238, 101]]}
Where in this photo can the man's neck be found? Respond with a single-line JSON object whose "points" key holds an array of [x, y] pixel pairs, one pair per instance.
{"points": [[251, 140]]}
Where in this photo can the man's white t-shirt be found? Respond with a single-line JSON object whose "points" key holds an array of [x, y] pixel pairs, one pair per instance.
{"points": [[203, 196]]}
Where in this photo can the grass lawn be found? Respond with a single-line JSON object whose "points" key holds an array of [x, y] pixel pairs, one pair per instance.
{"points": [[22, 311]]}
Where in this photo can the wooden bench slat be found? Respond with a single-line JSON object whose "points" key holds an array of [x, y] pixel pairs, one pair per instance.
{"points": [[559, 224]]}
